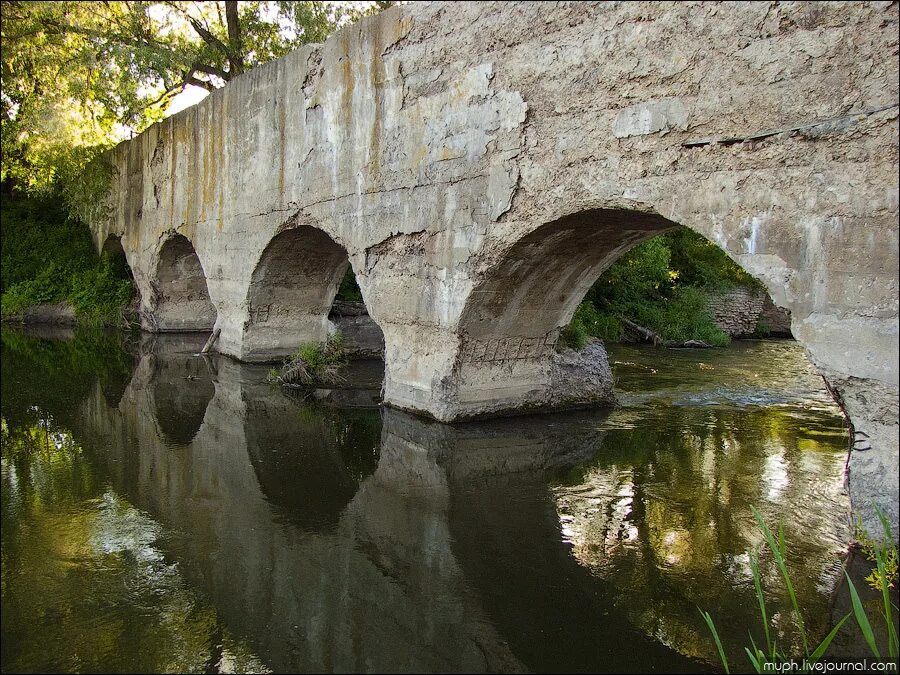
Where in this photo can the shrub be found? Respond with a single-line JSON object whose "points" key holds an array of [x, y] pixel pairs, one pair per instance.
{"points": [[762, 329], [681, 317], [587, 322], [98, 295], [884, 575], [49, 257], [662, 284], [315, 363]]}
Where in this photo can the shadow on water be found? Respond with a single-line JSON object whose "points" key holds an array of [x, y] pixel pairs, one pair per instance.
{"points": [[327, 537]]}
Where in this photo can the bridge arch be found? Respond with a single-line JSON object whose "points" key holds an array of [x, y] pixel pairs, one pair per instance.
{"points": [[520, 301], [180, 299], [114, 251], [544, 274], [291, 293]]}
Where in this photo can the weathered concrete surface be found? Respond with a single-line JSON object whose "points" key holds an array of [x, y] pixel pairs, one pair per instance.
{"points": [[482, 163]]}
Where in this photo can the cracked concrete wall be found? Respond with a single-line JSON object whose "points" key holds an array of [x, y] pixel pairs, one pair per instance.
{"points": [[431, 141]]}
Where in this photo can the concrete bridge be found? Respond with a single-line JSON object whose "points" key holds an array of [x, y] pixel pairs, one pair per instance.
{"points": [[480, 164]]}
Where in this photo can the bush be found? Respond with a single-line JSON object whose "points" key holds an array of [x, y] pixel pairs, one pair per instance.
{"points": [[588, 322], [314, 363], [48, 286], [663, 285], [98, 295], [48, 257], [681, 317]]}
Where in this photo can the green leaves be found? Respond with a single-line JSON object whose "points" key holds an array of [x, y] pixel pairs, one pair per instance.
{"points": [[861, 619], [715, 634], [647, 286], [84, 74], [778, 550], [48, 257]]}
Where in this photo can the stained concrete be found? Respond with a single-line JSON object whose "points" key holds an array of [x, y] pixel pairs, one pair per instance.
{"points": [[481, 163]]}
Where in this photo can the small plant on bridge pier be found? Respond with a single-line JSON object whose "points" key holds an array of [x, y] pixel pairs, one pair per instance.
{"points": [[315, 363]]}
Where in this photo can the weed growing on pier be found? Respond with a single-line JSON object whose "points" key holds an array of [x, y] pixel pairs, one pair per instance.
{"points": [[315, 363]]}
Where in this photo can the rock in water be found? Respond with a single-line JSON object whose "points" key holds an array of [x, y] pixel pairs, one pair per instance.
{"points": [[581, 377]]}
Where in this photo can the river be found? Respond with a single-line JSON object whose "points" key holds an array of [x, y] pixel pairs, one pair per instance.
{"points": [[168, 512]]}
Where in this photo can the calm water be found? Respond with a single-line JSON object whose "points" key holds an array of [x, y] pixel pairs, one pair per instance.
{"points": [[162, 511]]}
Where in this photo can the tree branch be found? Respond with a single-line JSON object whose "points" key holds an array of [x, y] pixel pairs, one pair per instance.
{"points": [[234, 37], [209, 86], [210, 70]]}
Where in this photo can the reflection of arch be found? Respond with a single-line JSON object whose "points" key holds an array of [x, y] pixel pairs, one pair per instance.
{"points": [[182, 390], [291, 292], [182, 298], [309, 462], [114, 386]]}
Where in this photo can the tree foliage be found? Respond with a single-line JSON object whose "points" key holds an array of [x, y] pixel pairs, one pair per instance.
{"points": [[48, 257], [661, 284], [81, 75]]}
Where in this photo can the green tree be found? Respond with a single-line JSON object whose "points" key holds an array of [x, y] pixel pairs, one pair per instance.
{"points": [[662, 285], [79, 75]]}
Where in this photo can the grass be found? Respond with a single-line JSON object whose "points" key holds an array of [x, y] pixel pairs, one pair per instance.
{"points": [[762, 658], [314, 363]]}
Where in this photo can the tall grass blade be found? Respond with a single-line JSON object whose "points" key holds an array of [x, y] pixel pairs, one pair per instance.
{"points": [[778, 549], [715, 634], [823, 646], [861, 618], [757, 584], [756, 664], [893, 647], [757, 657]]}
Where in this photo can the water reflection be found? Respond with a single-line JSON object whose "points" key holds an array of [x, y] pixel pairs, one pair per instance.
{"points": [[663, 512], [323, 537]]}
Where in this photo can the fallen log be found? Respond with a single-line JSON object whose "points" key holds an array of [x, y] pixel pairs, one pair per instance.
{"points": [[647, 334], [211, 341]]}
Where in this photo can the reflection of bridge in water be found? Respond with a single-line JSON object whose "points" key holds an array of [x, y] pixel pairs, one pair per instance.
{"points": [[441, 551], [334, 535]]}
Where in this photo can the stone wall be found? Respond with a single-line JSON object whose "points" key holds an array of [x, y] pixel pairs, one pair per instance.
{"points": [[741, 310], [736, 311]]}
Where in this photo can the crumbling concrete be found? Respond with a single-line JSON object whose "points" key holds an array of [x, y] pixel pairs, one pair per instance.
{"points": [[482, 163]]}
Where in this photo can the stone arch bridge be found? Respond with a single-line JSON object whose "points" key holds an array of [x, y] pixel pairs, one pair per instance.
{"points": [[480, 164]]}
